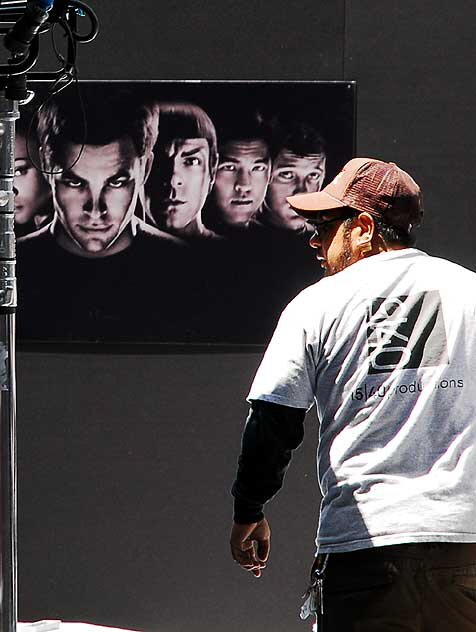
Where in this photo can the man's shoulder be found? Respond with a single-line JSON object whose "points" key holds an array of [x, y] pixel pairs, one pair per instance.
{"points": [[37, 239], [437, 273], [310, 302], [146, 232], [451, 266]]}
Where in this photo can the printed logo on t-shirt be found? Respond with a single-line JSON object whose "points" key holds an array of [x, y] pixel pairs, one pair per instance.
{"points": [[406, 332]]}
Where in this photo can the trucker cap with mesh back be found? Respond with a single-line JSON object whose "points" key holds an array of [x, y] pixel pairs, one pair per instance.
{"points": [[367, 185]]}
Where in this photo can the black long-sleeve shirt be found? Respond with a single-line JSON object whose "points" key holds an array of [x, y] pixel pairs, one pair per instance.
{"points": [[271, 433]]}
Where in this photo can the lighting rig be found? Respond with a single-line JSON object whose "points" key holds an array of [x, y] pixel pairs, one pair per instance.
{"points": [[22, 23]]}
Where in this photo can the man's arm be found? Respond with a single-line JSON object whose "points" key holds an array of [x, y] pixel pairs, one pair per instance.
{"points": [[271, 433]]}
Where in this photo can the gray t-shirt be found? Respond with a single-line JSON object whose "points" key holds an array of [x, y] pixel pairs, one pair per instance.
{"points": [[387, 351]]}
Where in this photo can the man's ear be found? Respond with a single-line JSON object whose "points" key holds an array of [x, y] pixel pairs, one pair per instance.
{"points": [[366, 225], [148, 166]]}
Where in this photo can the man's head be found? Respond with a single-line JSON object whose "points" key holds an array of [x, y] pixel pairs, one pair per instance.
{"points": [[95, 196], [243, 174], [299, 166], [30, 187], [369, 207], [185, 165]]}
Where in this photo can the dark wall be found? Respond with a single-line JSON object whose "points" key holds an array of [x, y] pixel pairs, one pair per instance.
{"points": [[214, 40], [124, 508], [416, 98], [125, 461]]}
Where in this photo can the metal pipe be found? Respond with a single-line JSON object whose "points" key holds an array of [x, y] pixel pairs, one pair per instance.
{"points": [[8, 302]]}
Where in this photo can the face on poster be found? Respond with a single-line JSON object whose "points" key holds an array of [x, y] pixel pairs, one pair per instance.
{"points": [[164, 218]]}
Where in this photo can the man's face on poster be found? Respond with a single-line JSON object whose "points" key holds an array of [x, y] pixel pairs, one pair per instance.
{"points": [[184, 181], [30, 187], [95, 199], [292, 174], [242, 177]]}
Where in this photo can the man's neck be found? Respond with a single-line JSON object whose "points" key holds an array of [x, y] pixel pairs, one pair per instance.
{"points": [[66, 242], [213, 220], [387, 246]]}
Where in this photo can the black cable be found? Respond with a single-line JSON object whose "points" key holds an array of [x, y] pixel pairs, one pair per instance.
{"points": [[70, 75], [34, 117], [84, 39], [68, 72], [71, 63], [57, 53]]}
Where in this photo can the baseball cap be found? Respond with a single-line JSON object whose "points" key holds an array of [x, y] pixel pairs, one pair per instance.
{"points": [[367, 185]]}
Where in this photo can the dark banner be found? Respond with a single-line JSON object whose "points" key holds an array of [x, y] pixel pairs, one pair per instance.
{"points": [[156, 211]]}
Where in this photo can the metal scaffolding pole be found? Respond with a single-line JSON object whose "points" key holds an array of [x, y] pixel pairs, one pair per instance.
{"points": [[29, 17], [8, 302]]}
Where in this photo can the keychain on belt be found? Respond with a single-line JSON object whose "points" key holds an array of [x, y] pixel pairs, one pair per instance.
{"points": [[314, 596]]}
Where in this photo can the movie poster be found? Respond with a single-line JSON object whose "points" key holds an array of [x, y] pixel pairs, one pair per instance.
{"points": [[155, 212]]}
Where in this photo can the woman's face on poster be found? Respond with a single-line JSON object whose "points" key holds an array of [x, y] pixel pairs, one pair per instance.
{"points": [[30, 187]]}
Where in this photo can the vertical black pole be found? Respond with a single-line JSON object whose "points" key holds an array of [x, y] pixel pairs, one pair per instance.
{"points": [[8, 302]]}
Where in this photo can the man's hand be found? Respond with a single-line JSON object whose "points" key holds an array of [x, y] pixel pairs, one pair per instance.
{"points": [[250, 545]]}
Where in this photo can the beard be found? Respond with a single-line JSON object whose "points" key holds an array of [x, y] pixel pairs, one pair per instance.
{"points": [[345, 259]]}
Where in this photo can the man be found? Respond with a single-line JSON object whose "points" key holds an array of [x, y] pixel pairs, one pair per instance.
{"points": [[385, 346], [244, 169], [183, 172], [299, 166], [93, 267], [96, 185]]}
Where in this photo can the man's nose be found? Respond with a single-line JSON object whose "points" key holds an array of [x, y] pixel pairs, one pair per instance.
{"points": [[300, 186], [243, 181], [95, 204], [171, 178], [176, 179]]}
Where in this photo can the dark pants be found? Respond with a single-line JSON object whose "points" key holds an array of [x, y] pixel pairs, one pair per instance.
{"points": [[427, 587]]}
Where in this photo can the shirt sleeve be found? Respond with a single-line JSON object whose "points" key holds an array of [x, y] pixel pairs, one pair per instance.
{"points": [[271, 433], [287, 372]]}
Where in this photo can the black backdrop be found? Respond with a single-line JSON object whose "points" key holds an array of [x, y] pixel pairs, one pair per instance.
{"points": [[125, 460]]}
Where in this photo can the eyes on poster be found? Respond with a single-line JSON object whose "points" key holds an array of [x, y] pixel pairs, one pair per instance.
{"points": [[155, 212]]}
